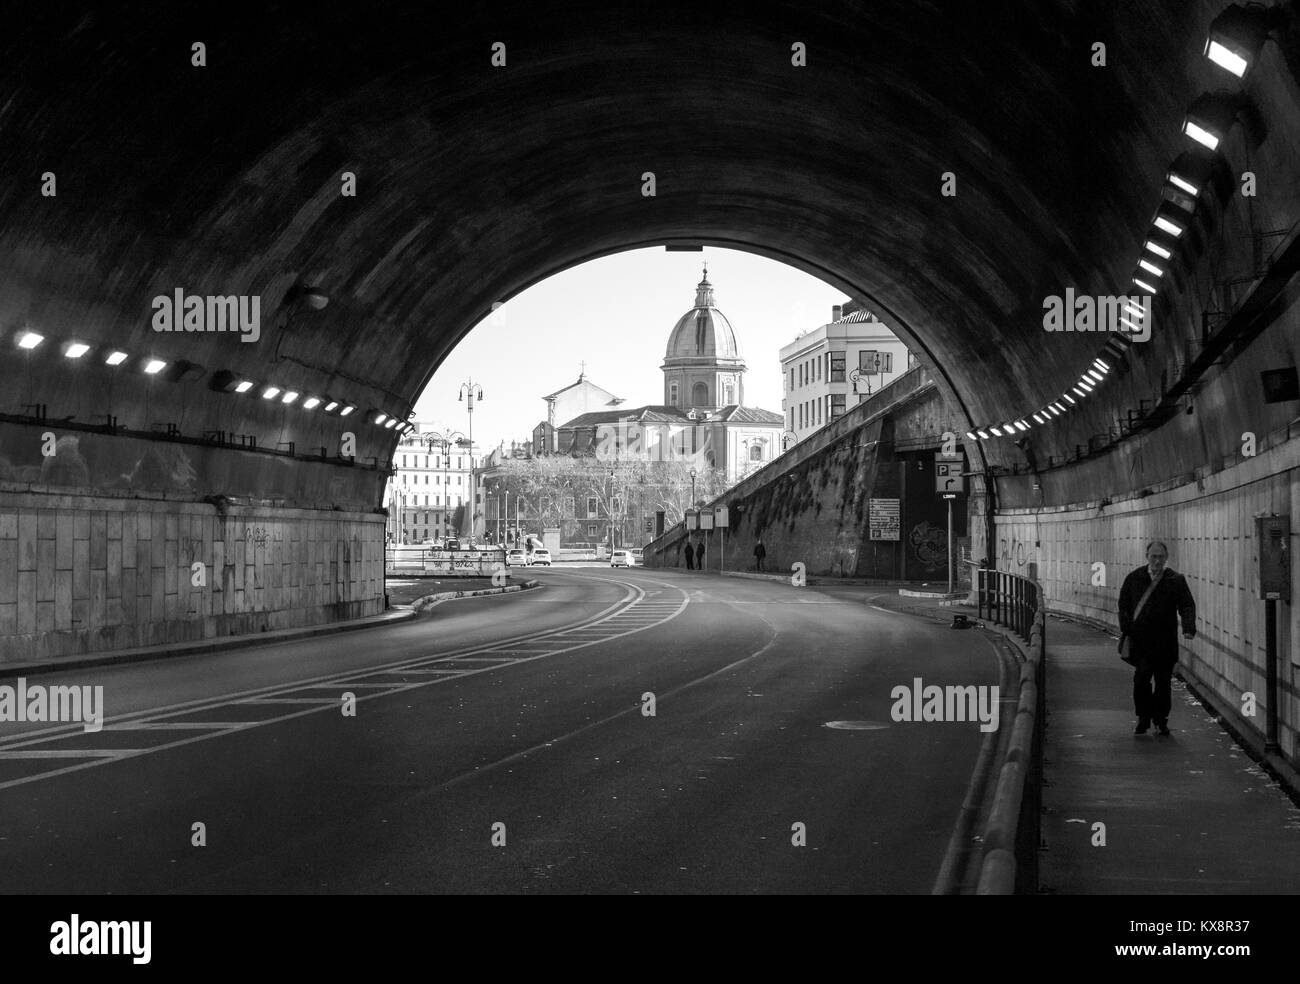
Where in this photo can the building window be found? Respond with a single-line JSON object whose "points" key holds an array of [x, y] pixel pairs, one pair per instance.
{"points": [[699, 395], [837, 367], [731, 394], [592, 529], [819, 367], [672, 394], [867, 361], [756, 452], [592, 507], [837, 405]]}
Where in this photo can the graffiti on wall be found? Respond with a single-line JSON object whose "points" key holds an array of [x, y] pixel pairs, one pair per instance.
{"points": [[930, 544], [1014, 551]]}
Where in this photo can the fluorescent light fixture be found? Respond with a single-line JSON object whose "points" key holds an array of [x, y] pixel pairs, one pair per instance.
{"points": [[1169, 226], [270, 393], [1094, 375], [982, 435], [1039, 419], [1052, 407], [995, 432], [392, 422], [1150, 267], [29, 340], [1151, 246], [1138, 281], [289, 397], [1101, 364], [311, 403], [1222, 56], [154, 366], [76, 350], [379, 418], [1021, 425], [1069, 399], [1086, 385], [1237, 34], [244, 386], [347, 410], [1135, 309], [331, 406], [1204, 137], [1182, 184], [1135, 329], [115, 358], [970, 435]]}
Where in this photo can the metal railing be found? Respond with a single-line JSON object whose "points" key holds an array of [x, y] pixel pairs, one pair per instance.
{"points": [[1013, 834]]}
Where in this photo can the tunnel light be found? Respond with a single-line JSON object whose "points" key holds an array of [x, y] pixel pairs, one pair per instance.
{"points": [[331, 406], [243, 386], [1038, 419], [392, 422], [347, 410], [270, 393], [154, 366], [29, 340], [1150, 267], [1139, 282], [289, 397], [1087, 386], [1199, 130], [995, 432], [1151, 246], [1021, 425], [311, 403], [1134, 309], [75, 350], [1237, 34], [1169, 226], [982, 435], [1172, 219], [1055, 412], [1182, 184], [1069, 399], [1212, 115], [379, 418], [1095, 376], [115, 358], [970, 435], [1082, 393], [1101, 364]]}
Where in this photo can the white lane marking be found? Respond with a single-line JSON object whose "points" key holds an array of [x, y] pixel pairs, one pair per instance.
{"points": [[320, 704], [53, 753]]}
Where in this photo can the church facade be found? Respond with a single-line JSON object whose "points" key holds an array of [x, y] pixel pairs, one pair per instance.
{"points": [[702, 419]]}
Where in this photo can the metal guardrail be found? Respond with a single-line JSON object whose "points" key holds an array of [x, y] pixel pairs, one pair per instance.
{"points": [[1011, 839]]}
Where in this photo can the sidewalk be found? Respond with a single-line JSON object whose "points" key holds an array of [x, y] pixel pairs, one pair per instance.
{"points": [[1190, 814]]}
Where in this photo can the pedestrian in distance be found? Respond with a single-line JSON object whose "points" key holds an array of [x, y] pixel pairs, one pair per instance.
{"points": [[690, 556], [760, 552], [1152, 601]]}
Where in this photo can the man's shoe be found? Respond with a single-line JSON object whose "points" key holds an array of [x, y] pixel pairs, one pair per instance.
{"points": [[1162, 728], [1143, 725]]}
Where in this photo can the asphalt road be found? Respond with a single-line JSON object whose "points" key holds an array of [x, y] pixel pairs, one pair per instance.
{"points": [[503, 744]]}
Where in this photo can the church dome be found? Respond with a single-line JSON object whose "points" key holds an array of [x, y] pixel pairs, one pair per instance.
{"points": [[703, 332]]}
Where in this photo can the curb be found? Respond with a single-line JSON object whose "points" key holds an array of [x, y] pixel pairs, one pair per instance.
{"points": [[202, 647], [935, 595], [428, 601]]}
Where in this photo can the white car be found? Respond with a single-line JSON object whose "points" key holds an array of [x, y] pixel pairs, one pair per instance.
{"points": [[621, 558], [516, 558], [638, 556], [542, 557]]}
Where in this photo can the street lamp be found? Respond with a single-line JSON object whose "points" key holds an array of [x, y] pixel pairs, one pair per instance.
{"points": [[468, 389], [788, 438], [692, 488]]}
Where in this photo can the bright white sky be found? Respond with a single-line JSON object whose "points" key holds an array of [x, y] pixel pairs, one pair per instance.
{"points": [[616, 313]]}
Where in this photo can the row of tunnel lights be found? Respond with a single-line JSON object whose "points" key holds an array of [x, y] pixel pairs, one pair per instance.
{"points": [[1234, 40], [227, 382]]}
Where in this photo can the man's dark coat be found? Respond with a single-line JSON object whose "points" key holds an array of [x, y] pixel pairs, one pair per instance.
{"points": [[1155, 634]]}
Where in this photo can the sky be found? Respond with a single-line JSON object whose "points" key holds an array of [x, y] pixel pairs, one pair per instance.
{"points": [[616, 313]]}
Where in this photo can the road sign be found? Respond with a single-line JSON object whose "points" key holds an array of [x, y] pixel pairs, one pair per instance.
{"points": [[720, 517], [948, 478], [882, 519], [706, 519], [692, 519]]}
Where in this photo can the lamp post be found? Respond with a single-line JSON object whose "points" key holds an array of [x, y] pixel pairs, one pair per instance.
{"points": [[788, 438], [692, 488], [445, 441]]}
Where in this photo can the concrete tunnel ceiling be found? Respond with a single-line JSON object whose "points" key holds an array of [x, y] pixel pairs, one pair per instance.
{"points": [[474, 181]]}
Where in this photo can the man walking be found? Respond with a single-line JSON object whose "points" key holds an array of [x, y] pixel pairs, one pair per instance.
{"points": [[1151, 602], [760, 552]]}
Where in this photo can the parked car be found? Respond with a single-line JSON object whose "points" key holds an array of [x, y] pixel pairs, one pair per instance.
{"points": [[516, 558], [621, 558], [451, 544], [638, 556], [542, 557]]}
